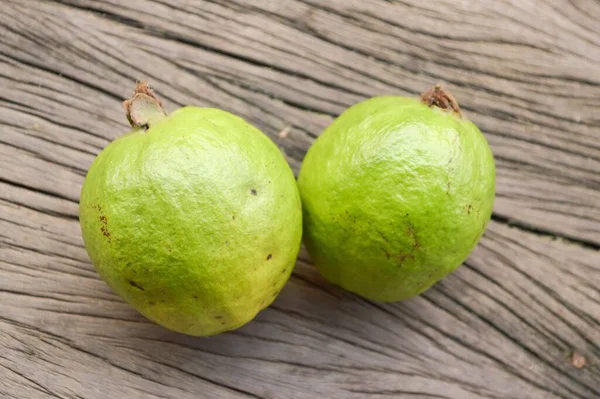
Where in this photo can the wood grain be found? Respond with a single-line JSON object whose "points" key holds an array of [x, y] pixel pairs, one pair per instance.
{"points": [[505, 325]]}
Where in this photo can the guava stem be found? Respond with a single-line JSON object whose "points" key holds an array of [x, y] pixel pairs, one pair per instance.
{"points": [[441, 98], [144, 107]]}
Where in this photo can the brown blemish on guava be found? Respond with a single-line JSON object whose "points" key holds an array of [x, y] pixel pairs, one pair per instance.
{"points": [[441, 98], [269, 256], [413, 235], [136, 285], [387, 253], [232, 217], [284, 270], [106, 233], [152, 303], [219, 317], [383, 236], [469, 208], [402, 257], [275, 294], [104, 226], [449, 162], [253, 191], [196, 297]]}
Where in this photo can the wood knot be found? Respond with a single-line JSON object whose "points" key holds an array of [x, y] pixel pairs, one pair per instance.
{"points": [[577, 360]]}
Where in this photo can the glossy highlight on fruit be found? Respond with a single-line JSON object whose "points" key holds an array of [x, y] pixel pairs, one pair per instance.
{"points": [[194, 218], [396, 193]]}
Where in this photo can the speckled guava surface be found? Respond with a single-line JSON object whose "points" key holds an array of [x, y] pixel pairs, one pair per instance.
{"points": [[196, 222], [395, 195]]}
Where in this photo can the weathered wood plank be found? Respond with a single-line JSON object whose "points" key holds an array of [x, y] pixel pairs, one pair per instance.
{"points": [[533, 134], [504, 326]]}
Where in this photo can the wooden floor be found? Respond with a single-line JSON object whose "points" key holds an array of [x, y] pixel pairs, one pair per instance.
{"points": [[520, 319]]}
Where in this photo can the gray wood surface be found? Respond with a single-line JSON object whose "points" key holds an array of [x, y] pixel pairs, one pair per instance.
{"points": [[521, 318]]}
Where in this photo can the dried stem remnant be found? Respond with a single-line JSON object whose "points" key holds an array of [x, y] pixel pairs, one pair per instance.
{"points": [[143, 106], [442, 98]]}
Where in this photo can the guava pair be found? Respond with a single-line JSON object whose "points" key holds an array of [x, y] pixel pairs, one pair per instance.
{"points": [[196, 220]]}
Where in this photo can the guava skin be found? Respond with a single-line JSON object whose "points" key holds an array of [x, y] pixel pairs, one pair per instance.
{"points": [[196, 222], [396, 194]]}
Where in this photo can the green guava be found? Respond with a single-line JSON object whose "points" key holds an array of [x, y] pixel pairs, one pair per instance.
{"points": [[396, 193], [194, 218]]}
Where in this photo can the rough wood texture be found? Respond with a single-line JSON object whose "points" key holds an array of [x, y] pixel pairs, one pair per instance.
{"points": [[505, 325]]}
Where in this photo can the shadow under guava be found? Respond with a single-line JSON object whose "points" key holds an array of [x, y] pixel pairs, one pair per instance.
{"points": [[307, 306]]}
